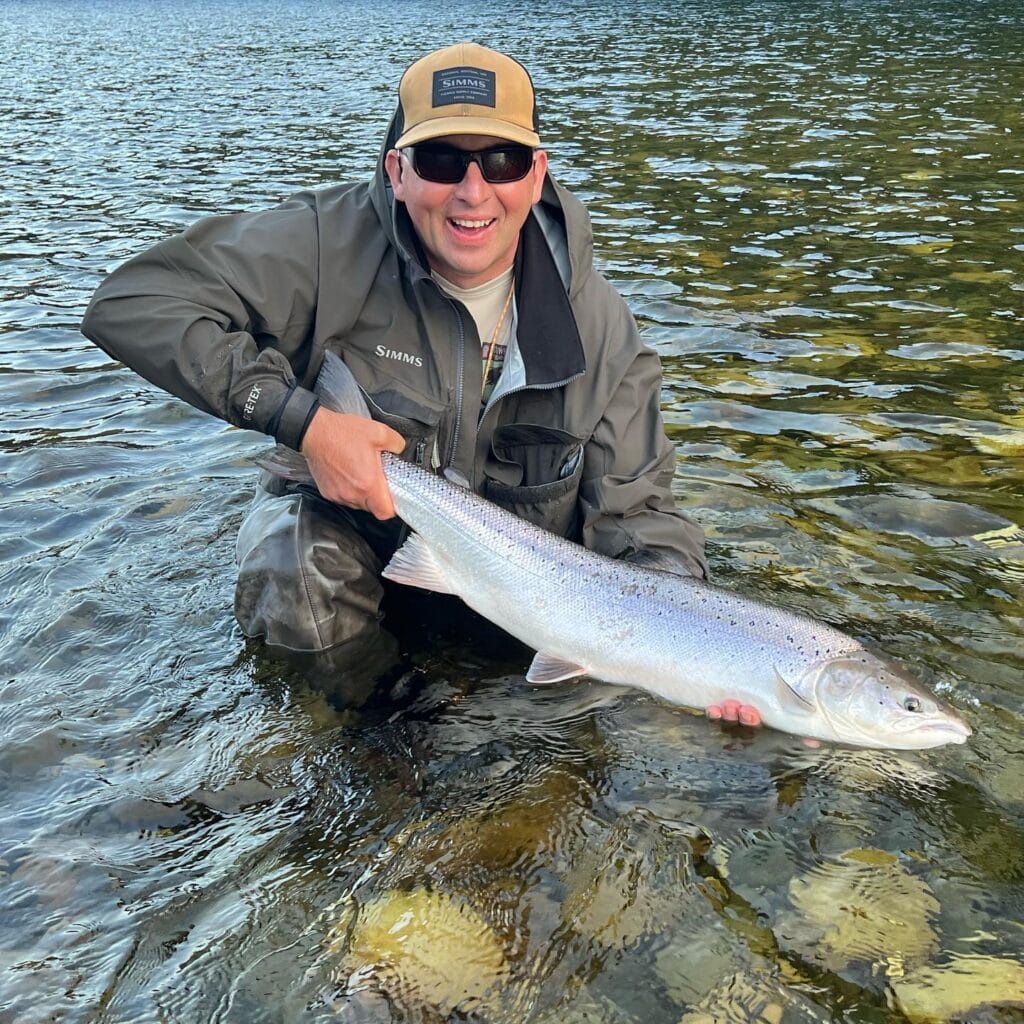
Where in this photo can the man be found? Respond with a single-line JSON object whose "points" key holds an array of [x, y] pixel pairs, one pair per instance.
{"points": [[458, 286]]}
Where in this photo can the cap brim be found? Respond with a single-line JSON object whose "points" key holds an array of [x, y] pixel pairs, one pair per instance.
{"points": [[440, 126]]}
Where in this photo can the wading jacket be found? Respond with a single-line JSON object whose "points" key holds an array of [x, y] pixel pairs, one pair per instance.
{"points": [[234, 316]]}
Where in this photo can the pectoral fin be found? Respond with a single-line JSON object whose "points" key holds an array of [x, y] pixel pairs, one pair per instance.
{"points": [[547, 668], [790, 698], [414, 565]]}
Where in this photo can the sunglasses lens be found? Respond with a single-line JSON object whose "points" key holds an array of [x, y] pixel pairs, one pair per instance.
{"points": [[446, 165], [443, 164], [510, 163]]}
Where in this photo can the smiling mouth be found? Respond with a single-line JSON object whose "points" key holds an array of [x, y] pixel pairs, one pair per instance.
{"points": [[467, 224]]}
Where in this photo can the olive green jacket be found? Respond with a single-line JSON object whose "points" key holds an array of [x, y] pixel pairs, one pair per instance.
{"points": [[234, 316]]}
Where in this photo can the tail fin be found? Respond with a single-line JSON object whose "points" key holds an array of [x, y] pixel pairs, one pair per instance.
{"points": [[286, 463], [338, 391]]}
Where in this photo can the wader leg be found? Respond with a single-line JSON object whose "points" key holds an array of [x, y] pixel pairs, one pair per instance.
{"points": [[307, 580]]}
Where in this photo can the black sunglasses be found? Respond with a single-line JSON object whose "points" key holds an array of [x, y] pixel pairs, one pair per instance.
{"points": [[446, 165]]}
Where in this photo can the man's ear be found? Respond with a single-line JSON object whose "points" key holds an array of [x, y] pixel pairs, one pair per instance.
{"points": [[540, 168], [393, 166]]}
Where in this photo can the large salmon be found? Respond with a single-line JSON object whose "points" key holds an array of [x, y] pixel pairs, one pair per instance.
{"points": [[680, 638]]}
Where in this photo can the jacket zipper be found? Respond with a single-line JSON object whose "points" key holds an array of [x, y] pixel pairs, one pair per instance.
{"points": [[526, 387], [460, 379], [460, 386]]}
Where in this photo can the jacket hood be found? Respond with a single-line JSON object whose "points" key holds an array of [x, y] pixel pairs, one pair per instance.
{"points": [[562, 218]]}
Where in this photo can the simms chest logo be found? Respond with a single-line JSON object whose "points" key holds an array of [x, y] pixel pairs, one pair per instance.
{"points": [[401, 357], [463, 85]]}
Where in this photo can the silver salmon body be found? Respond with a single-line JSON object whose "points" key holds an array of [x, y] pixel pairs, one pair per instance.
{"points": [[685, 640]]}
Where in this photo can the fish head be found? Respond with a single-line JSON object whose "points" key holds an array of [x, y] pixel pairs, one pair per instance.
{"points": [[872, 702]]}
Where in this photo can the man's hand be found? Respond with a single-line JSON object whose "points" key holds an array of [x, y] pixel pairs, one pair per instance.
{"points": [[343, 453]]}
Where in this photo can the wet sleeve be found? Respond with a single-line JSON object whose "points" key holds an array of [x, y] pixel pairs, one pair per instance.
{"points": [[626, 495], [220, 316]]}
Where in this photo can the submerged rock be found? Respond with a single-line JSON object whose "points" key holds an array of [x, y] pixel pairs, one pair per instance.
{"points": [[423, 949], [864, 907], [640, 881], [754, 999], [939, 993]]}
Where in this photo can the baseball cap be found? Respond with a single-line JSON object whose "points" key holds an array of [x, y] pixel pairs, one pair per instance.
{"points": [[467, 89]]}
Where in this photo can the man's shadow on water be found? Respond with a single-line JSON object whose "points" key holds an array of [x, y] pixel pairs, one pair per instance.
{"points": [[388, 667]]}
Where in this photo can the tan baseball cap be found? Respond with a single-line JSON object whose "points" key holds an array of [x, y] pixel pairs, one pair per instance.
{"points": [[467, 89]]}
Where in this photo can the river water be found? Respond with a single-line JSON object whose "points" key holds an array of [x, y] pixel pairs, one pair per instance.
{"points": [[815, 211]]}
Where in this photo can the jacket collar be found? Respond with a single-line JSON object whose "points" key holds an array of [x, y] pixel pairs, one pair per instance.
{"points": [[547, 335]]}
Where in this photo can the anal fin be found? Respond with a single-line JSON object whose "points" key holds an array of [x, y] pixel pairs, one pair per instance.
{"points": [[548, 668]]}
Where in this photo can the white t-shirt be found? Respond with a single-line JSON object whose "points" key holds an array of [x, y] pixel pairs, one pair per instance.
{"points": [[485, 303]]}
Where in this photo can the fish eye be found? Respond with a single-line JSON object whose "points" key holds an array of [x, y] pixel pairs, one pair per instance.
{"points": [[912, 703]]}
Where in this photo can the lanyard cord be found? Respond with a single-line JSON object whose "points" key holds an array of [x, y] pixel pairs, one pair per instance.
{"points": [[494, 336]]}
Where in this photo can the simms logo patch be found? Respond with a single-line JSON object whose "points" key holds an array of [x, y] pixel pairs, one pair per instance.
{"points": [[402, 357], [463, 85]]}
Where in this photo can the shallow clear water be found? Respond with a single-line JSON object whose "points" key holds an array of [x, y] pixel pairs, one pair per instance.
{"points": [[815, 212]]}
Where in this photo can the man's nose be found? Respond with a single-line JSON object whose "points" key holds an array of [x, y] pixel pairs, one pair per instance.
{"points": [[473, 188]]}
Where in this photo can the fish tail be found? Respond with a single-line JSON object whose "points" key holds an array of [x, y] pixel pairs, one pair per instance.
{"points": [[338, 391], [286, 463]]}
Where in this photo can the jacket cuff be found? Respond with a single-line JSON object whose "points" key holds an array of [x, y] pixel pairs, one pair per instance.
{"points": [[292, 418]]}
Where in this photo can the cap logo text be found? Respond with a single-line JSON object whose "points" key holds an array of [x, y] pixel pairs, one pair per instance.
{"points": [[463, 85]]}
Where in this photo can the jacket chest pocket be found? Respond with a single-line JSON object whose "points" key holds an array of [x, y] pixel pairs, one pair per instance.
{"points": [[416, 419], [536, 475]]}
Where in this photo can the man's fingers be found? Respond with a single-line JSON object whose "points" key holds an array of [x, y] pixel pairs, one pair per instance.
{"points": [[379, 502], [378, 499], [733, 711], [344, 452], [749, 715], [390, 440]]}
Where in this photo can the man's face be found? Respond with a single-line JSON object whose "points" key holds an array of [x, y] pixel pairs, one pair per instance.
{"points": [[470, 230]]}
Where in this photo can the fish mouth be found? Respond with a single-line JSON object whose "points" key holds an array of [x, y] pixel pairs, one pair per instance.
{"points": [[960, 729], [946, 730]]}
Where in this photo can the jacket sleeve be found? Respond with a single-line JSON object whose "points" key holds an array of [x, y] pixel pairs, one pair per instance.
{"points": [[221, 315], [626, 494]]}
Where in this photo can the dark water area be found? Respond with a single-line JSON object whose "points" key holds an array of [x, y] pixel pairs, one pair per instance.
{"points": [[815, 212]]}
